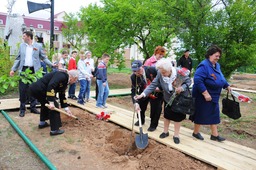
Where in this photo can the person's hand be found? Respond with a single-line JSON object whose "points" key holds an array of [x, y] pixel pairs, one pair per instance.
{"points": [[12, 73], [229, 89], [104, 84], [51, 106], [137, 97], [69, 112], [179, 90], [91, 76], [207, 96], [157, 89], [136, 107]]}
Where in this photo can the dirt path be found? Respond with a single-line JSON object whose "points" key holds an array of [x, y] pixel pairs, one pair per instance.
{"points": [[87, 144]]}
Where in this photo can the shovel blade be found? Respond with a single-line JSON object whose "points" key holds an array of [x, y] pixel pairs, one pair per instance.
{"points": [[141, 141]]}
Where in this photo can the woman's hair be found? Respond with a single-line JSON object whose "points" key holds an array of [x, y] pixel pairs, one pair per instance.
{"points": [[211, 50], [160, 50], [164, 64]]}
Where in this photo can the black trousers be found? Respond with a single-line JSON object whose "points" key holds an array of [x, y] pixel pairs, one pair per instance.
{"points": [[155, 109], [23, 92], [45, 114]]}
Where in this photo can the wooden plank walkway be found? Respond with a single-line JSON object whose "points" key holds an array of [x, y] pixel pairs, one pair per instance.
{"points": [[226, 155]]}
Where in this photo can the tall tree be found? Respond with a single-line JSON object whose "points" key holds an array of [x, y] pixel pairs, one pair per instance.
{"points": [[121, 23], [229, 24]]}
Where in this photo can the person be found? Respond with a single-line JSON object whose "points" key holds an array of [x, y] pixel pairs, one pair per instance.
{"points": [[208, 82], [83, 74], [72, 66], [158, 54], [185, 61], [55, 60], [28, 57], [90, 69], [45, 89], [141, 77], [102, 81], [166, 78], [62, 65]]}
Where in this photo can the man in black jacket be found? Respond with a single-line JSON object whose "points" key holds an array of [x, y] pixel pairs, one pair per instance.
{"points": [[45, 89], [185, 61], [142, 76]]}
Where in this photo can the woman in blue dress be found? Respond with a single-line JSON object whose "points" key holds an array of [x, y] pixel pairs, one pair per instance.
{"points": [[208, 83]]}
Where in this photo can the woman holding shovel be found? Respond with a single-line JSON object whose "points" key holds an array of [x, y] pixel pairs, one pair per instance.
{"points": [[166, 78]]}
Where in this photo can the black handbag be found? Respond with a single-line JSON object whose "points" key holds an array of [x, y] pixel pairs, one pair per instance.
{"points": [[184, 104], [231, 108]]}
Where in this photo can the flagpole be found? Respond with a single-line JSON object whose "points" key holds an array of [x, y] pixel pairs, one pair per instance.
{"points": [[52, 25]]}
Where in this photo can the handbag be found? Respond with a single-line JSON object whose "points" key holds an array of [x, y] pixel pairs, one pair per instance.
{"points": [[184, 104], [231, 108]]}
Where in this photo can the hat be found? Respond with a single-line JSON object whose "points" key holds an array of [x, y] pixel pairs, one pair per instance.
{"points": [[136, 64]]}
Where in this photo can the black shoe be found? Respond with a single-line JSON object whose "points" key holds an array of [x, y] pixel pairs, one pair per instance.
{"points": [[43, 126], [22, 113], [151, 129], [69, 97], [34, 111], [138, 123], [57, 132], [217, 138], [198, 136], [74, 98], [164, 135], [176, 140]]}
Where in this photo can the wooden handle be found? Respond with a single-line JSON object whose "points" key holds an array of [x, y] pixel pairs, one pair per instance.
{"points": [[61, 111]]}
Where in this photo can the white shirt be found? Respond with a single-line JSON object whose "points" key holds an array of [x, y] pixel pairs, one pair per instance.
{"points": [[28, 57]]}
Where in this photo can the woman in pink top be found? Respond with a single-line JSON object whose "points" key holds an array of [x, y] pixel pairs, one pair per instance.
{"points": [[158, 54]]}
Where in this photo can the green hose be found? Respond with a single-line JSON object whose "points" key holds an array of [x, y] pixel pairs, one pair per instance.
{"points": [[29, 143]]}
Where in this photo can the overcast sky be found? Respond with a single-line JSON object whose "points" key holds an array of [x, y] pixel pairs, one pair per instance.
{"points": [[20, 6]]}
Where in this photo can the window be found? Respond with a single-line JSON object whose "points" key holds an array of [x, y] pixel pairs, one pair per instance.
{"points": [[56, 28], [40, 26], [56, 37], [1, 22]]}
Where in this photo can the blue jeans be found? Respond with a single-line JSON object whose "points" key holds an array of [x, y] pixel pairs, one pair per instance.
{"points": [[87, 90], [103, 93], [71, 90], [83, 85]]}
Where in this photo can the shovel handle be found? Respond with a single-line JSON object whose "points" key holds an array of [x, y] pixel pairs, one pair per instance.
{"points": [[61, 111], [140, 125]]}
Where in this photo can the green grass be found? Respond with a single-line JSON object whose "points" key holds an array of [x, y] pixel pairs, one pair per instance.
{"points": [[123, 70]]}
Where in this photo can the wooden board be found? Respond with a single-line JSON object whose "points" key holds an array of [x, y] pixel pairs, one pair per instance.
{"points": [[225, 155]]}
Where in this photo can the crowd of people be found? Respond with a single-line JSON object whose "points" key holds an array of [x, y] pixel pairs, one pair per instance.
{"points": [[153, 82]]}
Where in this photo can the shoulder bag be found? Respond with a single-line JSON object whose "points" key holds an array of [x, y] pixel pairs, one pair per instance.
{"points": [[184, 104], [231, 108]]}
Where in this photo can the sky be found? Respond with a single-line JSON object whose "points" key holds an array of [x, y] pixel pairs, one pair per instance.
{"points": [[68, 6]]}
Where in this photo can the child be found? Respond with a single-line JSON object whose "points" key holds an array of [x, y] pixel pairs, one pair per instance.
{"points": [[102, 82], [82, 77], [72, 66], [89, 62]]}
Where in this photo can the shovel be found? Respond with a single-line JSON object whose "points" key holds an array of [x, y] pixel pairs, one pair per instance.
{"points": [[141, 140], [61, 111]]}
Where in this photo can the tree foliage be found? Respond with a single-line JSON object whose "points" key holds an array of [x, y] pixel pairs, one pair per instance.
{"points": [[117, 24]]}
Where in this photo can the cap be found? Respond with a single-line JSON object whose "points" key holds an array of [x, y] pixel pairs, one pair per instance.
{"points": [[136, 64]]}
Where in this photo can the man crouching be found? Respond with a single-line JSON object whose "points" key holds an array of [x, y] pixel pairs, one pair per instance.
{"points": [[45, 89]]}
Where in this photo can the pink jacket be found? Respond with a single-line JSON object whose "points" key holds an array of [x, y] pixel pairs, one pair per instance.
{"points": [[151, 61]]}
